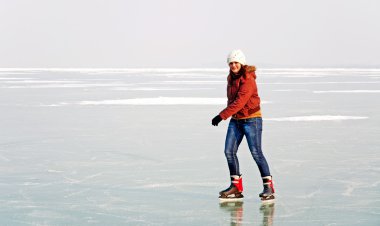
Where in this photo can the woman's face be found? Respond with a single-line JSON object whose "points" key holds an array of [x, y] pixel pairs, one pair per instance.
{"points": [[235, 67]]}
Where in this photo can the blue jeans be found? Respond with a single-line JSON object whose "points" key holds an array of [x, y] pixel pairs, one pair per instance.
{"points": [[251, 129]]}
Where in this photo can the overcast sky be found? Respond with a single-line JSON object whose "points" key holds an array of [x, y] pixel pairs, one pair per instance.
{"points": [[189, 33]]}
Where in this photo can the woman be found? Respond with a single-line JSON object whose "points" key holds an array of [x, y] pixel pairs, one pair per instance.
{"points": [[244, 108]]}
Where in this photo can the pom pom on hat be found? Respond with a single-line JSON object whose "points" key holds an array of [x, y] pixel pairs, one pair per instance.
{"points": [[236, 56]]}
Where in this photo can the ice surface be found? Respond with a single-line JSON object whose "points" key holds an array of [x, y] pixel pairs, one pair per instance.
{"points": [[104, 147]]}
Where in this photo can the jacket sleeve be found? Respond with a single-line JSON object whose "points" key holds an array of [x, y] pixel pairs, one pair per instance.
{"points": [[242, 97]]}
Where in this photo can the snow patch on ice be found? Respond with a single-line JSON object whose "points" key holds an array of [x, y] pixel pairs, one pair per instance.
{"points": [[167, 185], [317, 83], [79, 181], [348, 91], [66, 85], [115, 70], [162, 101], [4, 158], [310, 195], [11, 78], [289, 90], [316, 118], [194, 82], [158, 89], [351, 186], [54, 171]]}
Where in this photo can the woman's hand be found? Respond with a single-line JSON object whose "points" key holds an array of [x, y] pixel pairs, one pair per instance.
{"points": [[215, 121]]}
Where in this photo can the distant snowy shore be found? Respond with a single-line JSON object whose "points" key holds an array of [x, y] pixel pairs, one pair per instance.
{"points": [[183, 69]]}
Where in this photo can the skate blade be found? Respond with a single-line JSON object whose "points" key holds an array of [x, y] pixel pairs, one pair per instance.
{"points": [[268, 200], [221, 200]]}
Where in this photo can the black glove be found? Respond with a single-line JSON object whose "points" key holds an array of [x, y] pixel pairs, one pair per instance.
{"points": [[216, 120]]}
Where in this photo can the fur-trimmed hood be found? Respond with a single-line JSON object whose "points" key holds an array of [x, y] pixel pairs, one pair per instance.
{"points": [[246, 72]]}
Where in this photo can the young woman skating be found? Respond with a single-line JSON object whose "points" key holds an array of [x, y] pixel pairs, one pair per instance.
{"points": [[244, 108]]}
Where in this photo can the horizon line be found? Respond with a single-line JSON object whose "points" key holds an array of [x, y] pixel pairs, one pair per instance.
{"points": [[174, 68]]}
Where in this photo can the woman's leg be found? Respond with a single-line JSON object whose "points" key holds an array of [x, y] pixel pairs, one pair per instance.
{"points": [[253, 131], [233, 140]]}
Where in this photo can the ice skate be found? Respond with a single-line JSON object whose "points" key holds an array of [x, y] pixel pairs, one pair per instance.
{"points": [[234, 192], [268, 193]]}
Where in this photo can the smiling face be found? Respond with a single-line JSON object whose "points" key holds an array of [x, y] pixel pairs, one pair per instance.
{"points": [[235, 67]]}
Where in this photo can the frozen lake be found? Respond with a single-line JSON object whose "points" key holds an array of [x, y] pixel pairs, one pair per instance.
{"points": [[136, 147]]}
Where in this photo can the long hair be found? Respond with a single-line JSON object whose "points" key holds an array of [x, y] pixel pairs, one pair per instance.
{"points": [[240, 73], [244, 70]]}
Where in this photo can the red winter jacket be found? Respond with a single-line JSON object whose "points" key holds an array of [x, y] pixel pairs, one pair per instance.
{"points": [[243, 99]]}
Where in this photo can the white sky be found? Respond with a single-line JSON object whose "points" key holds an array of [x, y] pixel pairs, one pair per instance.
{"points": [[192, 33]]}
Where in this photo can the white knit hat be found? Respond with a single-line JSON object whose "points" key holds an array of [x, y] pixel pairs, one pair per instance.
{"points": [[236, 56]]}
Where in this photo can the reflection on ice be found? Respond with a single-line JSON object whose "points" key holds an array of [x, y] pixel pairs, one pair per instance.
{"points": [[267, 211], [236, 211]]}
